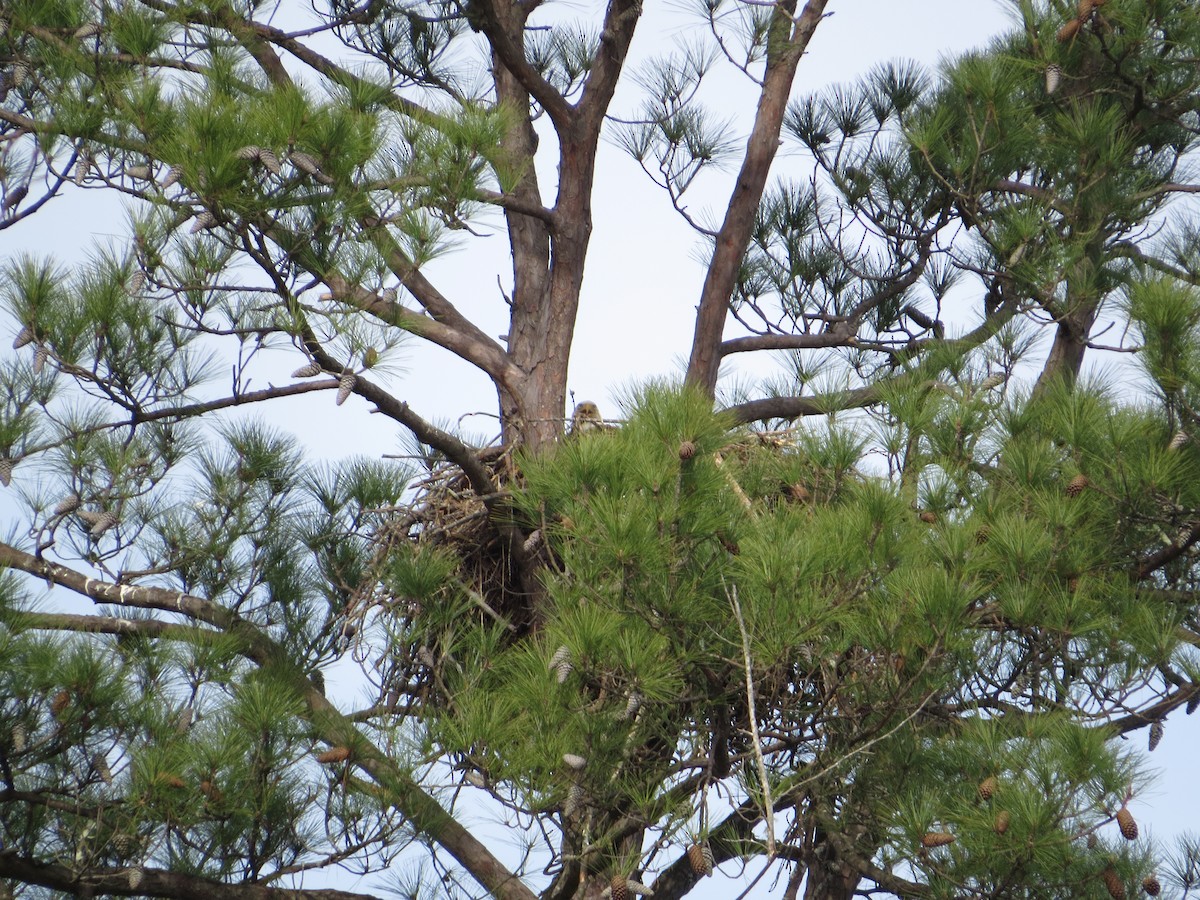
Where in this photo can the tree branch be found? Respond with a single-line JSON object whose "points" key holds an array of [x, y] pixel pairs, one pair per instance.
{"points": [[783, 57], [445, 326], [620, 22], [136, 596], [398, 787], [36, 621], [149, 882], [483, 15], [796, 407]]}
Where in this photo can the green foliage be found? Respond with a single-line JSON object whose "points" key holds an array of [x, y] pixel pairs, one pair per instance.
{"points": [[827, 636], [865, 627]]}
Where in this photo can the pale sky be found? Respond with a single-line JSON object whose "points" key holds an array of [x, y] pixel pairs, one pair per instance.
{"points": [[641, 287]]}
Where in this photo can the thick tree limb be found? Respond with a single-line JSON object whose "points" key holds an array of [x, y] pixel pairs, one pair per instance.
{"points": [[135, 596], [796, 407], [733, 238], [148, 882], [339, 75], [483, 13], [178, 413], [447, 328], [753, 343], [98, 625], [620, 20], [1172, 551]]}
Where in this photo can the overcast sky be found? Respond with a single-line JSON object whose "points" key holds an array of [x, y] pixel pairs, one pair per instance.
{"points": [[642, 281]]}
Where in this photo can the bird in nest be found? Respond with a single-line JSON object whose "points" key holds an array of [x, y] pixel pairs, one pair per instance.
{"points": [[586, 419]]}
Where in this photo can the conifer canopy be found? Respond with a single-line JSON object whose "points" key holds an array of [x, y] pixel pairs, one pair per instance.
{"points": [[879, 626]]}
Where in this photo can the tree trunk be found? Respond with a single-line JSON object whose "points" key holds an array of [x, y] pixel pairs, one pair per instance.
{"points": [[829, 882], [549, 252]]}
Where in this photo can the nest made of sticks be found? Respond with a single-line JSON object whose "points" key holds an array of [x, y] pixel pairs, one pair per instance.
{"points": [[446, 513]]}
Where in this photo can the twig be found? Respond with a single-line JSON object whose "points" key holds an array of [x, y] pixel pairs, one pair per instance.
{"points": [[737, 488], [768, 806]]}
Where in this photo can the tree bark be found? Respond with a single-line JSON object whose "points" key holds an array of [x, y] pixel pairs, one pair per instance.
{"points": [[548, 259], [783, 57]]}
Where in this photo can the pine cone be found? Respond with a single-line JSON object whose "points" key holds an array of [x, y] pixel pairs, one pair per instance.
{"points": [[304, 162], [100, 764], [1053, 77], [687, 450], [60, 702], [173, 175], [1112, 881], [89, 517], [270, 162], [309, 370], [138, 173], [1156, 735], [91, 29], [619, 886], [24, 336], [20, 738], [560, 663], [1069, 31], [1193, 702], [987, 787], [933, 839], [700, 858], [249, 153], [14, 197], [928, 516], [345, 387], [308, 164], [334, 755], [1151, 886], [135, 283], [40, 357], [1003, 819], [1077, 485], [6, 470], [104, 521], [574, 760], [534, 542], [83, 165], [1178, 441], [67, 505], [1127, 824], [631, 706], [203, 221], [573, 801]]}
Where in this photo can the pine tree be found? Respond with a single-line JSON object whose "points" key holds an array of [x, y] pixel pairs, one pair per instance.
{"points": [[879, 623]]}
